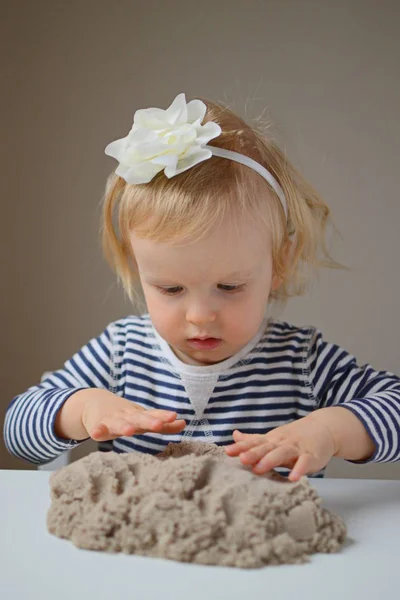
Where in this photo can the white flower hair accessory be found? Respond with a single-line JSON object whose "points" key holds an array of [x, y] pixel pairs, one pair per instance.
{"points": [[173, 141], [169, 140]]}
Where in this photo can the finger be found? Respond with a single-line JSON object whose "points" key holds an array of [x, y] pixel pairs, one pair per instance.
{"points": [[234, 449], [279, 457], [239, 436], [112, 428], [131, 422], [146, 422], [240, 447], [136, 406], [120, 426], [100, 433], [175, 427], [167, 416], [168, 428], [255, 454], [243, 441], [302, 466]]}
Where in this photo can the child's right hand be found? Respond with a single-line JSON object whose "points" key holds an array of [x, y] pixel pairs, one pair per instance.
{"points": [[106, 416]]}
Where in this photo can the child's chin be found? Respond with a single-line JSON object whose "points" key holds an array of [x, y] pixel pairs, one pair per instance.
{"points": [[208, 358]]}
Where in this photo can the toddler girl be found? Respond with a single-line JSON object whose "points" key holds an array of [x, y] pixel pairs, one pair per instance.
{"points": [[216, 224]]}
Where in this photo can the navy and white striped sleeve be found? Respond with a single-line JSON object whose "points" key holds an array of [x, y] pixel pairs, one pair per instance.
{"points": [[29, 422], [373, 396]]}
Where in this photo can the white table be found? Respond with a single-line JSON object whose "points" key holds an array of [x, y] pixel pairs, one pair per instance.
{"points": [[37, 565]]}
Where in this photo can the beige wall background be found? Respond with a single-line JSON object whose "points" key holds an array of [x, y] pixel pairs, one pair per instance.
{"points": [[73, 74]]}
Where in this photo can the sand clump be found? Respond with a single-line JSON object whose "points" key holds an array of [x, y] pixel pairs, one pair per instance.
{"points": [[192, 503]]}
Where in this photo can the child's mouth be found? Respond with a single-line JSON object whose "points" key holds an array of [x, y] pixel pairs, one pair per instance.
{"points": [[207, 344]]}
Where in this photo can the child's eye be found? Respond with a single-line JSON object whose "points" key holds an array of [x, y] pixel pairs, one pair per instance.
{"points": [[172, 291], [232, 288]]}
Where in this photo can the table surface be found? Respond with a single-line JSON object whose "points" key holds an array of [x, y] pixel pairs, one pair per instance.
{"points": [[35, 564]]}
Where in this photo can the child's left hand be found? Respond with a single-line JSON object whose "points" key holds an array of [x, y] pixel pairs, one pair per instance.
{"points": [[305, 446]]}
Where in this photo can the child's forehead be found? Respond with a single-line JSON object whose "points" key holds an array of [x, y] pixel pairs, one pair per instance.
{"points": [[208, 258], [197, 273], [233, 234]]}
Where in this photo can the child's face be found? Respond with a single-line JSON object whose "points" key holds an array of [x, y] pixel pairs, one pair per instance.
{"points": [[217, 287]]}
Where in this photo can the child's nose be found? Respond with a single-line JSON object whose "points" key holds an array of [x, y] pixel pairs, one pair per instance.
{"points": [[200, 314]]}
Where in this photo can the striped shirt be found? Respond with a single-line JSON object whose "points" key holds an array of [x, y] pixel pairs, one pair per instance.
{"points": [[283, 374]]}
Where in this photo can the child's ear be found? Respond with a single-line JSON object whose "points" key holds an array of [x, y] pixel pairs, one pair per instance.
{"points": [[277, 281]]}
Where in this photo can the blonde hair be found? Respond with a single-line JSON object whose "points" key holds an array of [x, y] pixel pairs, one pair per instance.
{"points": [[189, 205]]}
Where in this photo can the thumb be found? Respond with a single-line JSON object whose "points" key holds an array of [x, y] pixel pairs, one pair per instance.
{"points": [[306, 463]]}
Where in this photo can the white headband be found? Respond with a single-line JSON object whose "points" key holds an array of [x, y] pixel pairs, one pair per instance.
{"points": [[173, 141]]}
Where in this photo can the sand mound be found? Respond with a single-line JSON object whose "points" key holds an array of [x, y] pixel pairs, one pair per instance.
{"points": [[191, 503]]}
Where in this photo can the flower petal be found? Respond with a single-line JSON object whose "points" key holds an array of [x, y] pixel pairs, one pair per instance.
{"points": [[177, 112], [196, 110], [189, 161], [137, 135], [141, 173], [116, 148], [167, 160], [146, 151], [150, 118], [183, 136], [207, 132]]}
